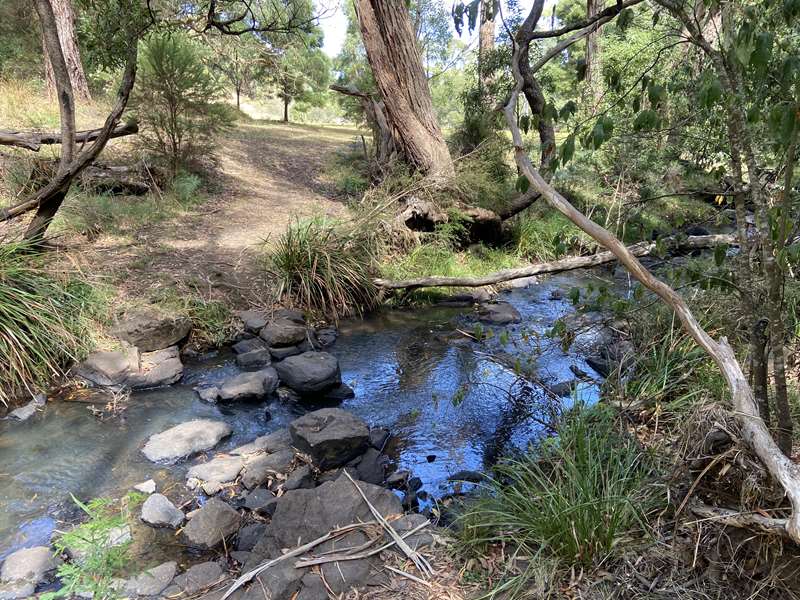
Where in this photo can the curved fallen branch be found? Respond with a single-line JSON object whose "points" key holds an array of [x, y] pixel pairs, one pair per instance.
{"points": [[556, 266], [741, 520], [754, 430], [34, 141]]}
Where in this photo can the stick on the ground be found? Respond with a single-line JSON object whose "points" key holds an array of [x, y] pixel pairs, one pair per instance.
{"points": [[741, 520], [557, 266], [34, 141]]}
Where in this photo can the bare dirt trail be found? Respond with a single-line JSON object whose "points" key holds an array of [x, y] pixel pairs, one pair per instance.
{"points": [[269, 175]]}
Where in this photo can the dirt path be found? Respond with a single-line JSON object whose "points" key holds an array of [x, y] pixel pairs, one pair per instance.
{"points": [[270, 174]]}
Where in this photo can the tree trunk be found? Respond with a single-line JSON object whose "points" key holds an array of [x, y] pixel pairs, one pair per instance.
{"points": [[393, 54], [65, 22], [488, 13], [593, 64], [286, 101], [238, 103]]}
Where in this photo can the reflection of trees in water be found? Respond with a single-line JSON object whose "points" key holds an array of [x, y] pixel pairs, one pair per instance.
{"points": [[417, 354]]}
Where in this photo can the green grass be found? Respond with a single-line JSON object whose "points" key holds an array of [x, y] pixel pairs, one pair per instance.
{"points": [[583, 496], [95, 563], [213, 323], [324, 267], [46, 322]]}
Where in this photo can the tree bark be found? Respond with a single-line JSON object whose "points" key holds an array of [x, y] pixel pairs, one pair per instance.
{"points": [[556, 266], [286, 101], [488, 12], [593, 65], [65, 23], [34, 141], [383, 139], [393, 55]]}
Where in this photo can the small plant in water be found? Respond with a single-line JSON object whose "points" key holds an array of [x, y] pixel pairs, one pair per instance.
{"points": [[98, 549]]}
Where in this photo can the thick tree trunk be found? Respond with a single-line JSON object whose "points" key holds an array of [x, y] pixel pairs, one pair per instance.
{"points": [[489, 10], [593, 64], [393, 54], [65, 22], [286, 101], [383, 139]]}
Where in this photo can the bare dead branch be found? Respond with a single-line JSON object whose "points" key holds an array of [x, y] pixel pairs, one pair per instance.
{"points": [[34, 141]]}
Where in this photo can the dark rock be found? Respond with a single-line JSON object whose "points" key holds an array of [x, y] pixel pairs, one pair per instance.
{"points": [[378, 436], [564, 389], [697, 230], [270, 443], [372, 467], [158, 511], [300, 478], [334, 474], [468, 476], [287, 395], [261, 501], [287, 351], [109, 368], [340, 393], [408, 522], [249, 386], [185, 439], [283, 332], [199, 577], [331, 436], [249, 345], [398, 480], [280, 581], [326, 336], [310, 372], [248, 536], [499, 313], [410, 501], [601, 365], [312, 588], [431, 458], [253, 320], [151, 329], [240, 556], [254, 360], [414, 484], [211, 524], [260, 468], [289, 314]]}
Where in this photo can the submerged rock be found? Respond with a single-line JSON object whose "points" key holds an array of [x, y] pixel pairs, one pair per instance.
{"points": [[310, 372], [331, 436], [152, 329], [214, 522], [185, 439], [249, 386], [158, 511], [499, 313]]}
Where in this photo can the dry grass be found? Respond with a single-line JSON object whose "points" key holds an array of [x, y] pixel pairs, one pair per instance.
{"points": [[25, 105]]}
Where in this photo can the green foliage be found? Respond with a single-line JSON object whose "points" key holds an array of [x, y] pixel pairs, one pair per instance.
{"points": [[545, 235], [324, 268], [97, 559], [176, 101], [581, 497], [45, 322]]}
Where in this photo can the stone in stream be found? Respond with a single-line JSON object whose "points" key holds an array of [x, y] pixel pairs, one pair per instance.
{"points": [[221, 469], [185, 439], [214, 522], [253, 320], [158, 511], [152, 329], [146, 487], [249, 535], [372, 467], [340, 393], [310, 372], [272, 442], [468, 476], [300, 478], [378, 436], [326, 336], [109, 368], [249, 386], [248, 345], [262, 467], [287, 351], [564, 389], [23, 413], [261, 501], [209, 394], [26, 568], [199, 577], [284, 332], [151, 582], [499, 313], [254, 360], [331, 436], [162, 367]]}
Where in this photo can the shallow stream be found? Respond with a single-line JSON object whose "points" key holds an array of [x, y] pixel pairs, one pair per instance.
{"points": [[443, 397]]}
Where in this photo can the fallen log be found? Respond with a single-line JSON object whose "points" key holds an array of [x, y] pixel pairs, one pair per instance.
{"points": [[741, 520], [557, 266], [34, 141]]}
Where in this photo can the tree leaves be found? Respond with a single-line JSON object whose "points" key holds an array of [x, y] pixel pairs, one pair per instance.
{"points": [[762, 51], [624, 19], [522, 184], [656, 94], [710, 90], [782, 120], [567, 150], [569, 109], [646, 120]]}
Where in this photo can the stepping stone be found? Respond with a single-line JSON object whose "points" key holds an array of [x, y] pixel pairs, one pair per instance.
{"points": [[158, 511], [185, 439], [151, 582], [211, 524], [332, 436], [310, 372]]}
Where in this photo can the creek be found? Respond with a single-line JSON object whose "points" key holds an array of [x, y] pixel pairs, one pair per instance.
{"points": [[449, 403]]}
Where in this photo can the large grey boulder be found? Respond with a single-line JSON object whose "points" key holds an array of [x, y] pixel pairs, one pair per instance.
{"points": [[162, 367], [254, 360], [220, 469], [283, 332], [185, 439], [214, 522], [158, 511], [499, 313], [151, 329], [310, 372], [249, 345], [31, 565], [109, 368], [253, 320], [249, 386], [331, 436], [152, 581]]}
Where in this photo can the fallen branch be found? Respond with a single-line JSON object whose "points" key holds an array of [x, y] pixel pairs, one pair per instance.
{"points": [[34, 141], [557, 266], [741, 520]]}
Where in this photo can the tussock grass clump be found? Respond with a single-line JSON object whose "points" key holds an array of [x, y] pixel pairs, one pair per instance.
{"points": [[575, 501], [45, 323], [325, 268]]}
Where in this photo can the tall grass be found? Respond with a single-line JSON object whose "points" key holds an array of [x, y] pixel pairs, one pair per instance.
{"points": [[45, 323], [575, 501], [324, 268]]}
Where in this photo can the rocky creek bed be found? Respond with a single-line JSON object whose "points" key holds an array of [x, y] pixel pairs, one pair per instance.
{"points": [[250, 446]]}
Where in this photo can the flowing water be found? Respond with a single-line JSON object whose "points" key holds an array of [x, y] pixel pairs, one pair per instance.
{"points": [[447, 403]]}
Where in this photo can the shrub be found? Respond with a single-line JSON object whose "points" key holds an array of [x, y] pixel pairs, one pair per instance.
{"points": [[45, 323], [574, 501], [324, 268], [176, 101]]}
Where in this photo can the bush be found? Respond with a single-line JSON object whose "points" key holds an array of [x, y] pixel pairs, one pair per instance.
{"points": [[324, 268], [176, 101], [45, 323], [574, 501]]}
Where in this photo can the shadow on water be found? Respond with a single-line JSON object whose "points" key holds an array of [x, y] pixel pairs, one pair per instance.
{"points": [[449, 405]]}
